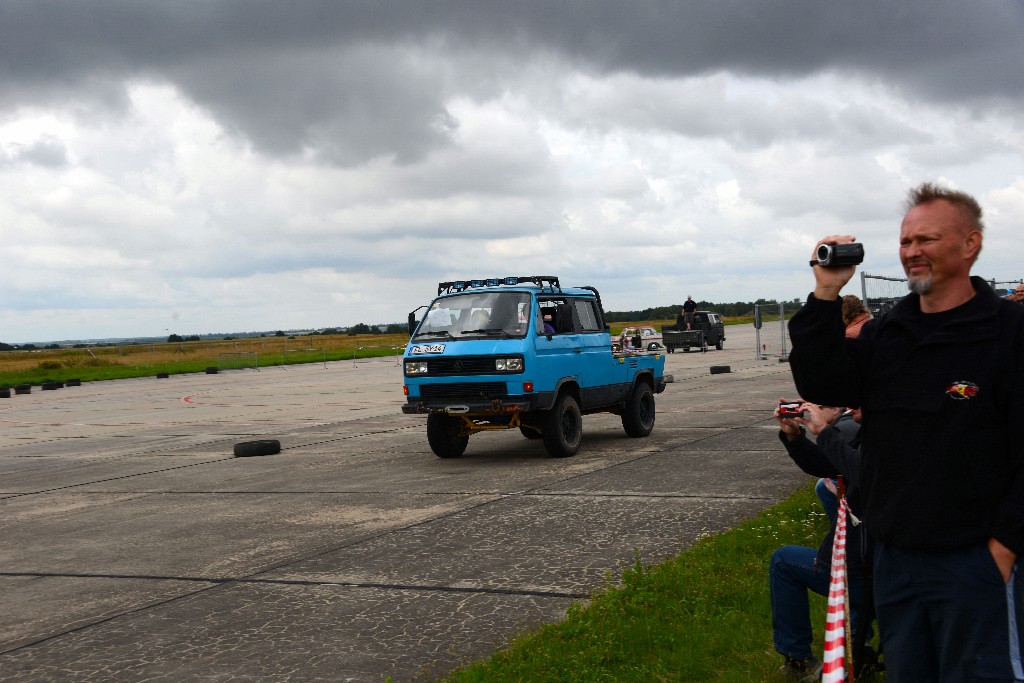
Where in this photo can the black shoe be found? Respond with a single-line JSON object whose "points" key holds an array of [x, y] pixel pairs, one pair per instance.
{"points": [[803, 670]]}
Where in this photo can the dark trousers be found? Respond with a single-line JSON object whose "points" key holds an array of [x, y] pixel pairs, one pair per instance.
{"points": [[948, 617]]}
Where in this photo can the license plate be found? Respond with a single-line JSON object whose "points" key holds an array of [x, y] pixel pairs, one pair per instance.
{"points": [[427, 348]]}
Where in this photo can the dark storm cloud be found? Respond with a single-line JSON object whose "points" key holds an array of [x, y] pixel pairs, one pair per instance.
{"points": [[348, 81]]}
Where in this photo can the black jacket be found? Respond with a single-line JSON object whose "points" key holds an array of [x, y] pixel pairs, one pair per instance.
{"points": [[943, 422], [836, 453]]}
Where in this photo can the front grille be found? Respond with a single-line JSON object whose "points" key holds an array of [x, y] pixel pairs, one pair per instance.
{"points": [[462, 365], [463, 391]]}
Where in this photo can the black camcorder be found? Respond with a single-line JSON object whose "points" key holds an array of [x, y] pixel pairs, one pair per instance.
{"points": [[839, 255]]}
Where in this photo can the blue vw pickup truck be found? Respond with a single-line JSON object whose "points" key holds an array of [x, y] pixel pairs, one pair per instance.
{"points": [[523, 353]]}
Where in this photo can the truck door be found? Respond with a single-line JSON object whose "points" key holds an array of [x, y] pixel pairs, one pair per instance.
{"points": [[560, 356], [602, 375]]}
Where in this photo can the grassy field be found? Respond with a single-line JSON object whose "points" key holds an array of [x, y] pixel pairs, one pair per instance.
{"points": [[141, 360], [702, 616]]}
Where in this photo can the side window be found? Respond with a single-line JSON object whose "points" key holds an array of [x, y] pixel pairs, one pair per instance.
{"points": [[586, 311]]}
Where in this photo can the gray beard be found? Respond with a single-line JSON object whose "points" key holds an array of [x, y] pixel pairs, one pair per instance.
{"points": [[919, 285]]}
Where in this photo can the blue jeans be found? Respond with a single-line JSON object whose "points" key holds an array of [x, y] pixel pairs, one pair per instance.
{"points": [[829, 501], [791, 575], [948, 616]]}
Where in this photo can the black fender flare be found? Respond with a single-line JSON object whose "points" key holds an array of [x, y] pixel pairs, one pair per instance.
{"points": [[564, 385], [643, 376]]}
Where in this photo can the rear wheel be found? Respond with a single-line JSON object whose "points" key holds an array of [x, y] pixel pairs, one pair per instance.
{"points": [[638, 416], [443, 435], [563, 428]]}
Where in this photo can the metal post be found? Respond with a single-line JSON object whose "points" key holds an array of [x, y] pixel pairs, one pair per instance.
{"points": [[782, 329], [757, 334]]}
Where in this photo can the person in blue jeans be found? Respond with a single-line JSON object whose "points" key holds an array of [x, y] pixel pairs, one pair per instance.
{"points": [[797, 570]]}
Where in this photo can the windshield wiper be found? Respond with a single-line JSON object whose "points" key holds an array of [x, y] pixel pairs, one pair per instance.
{"points": [[439, 333], [489, 331]]}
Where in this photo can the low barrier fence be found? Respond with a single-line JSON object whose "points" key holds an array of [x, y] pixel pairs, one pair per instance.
{"points": [[378, 354]]}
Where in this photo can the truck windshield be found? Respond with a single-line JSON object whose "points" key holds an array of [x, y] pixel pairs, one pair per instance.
{"points": [[477, 314]]}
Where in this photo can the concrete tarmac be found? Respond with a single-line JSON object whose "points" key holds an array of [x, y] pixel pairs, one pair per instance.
{"points": [[135, 547]]}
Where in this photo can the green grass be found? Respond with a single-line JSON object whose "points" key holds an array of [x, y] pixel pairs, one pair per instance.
{"points": [[90, 365], [702, 616]]}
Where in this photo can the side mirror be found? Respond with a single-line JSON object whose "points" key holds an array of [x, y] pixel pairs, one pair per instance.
{"points": [[412, 323]]}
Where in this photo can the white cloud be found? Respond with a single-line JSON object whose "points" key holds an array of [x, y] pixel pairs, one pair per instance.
{"points": [[265, 175]]}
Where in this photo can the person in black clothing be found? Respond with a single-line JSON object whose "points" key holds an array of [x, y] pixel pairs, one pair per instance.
{"points": [[940, 379], [795, 570], [689, 307]]}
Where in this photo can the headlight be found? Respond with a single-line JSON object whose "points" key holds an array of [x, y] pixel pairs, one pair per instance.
{"points": [[508, 364], [415, 367]]}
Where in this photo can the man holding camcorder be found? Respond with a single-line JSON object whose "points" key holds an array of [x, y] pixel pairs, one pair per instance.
{"points": [[940, 380]]}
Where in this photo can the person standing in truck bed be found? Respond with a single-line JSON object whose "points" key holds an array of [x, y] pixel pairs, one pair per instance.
{"points": [[689, 307]]}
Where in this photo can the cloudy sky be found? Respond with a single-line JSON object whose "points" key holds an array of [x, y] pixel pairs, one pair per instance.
{"points": [[195, 166]]}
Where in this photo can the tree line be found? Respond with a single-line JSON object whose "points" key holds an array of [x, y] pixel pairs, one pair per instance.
{"points": [[733, 310]]}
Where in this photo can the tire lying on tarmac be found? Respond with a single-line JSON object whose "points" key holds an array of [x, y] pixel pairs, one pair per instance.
{"points": [[719, 369], [247, 449]]}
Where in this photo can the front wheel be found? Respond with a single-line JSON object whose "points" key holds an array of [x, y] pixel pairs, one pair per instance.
{"points": [[563, 428], [638, 416], [443, 435], [720, 344]]}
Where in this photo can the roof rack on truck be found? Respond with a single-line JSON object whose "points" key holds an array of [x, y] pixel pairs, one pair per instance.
{"points": [[543, 281]]}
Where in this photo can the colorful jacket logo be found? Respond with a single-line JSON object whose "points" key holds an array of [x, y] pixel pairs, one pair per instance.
{"points": [[962, 390]]}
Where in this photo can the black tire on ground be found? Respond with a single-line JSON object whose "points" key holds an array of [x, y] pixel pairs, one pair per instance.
{"points": [[74, 382], [23, 389], [51, 386], [162, 375], [563, 428], [211, 371], [720, 369], [638, 417], [443, 435], [720, 344], [5, 392], [247, 449]]}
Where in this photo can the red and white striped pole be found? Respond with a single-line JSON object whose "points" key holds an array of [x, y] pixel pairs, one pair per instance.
{"points": [[834, 660]]}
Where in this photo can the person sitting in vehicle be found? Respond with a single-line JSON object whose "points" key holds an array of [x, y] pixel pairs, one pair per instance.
{"points": [[479, 320]]}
